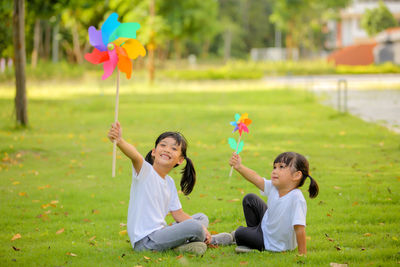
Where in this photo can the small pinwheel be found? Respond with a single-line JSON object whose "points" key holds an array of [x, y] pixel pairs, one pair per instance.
{"points": [[115, 45], [241, 123]]}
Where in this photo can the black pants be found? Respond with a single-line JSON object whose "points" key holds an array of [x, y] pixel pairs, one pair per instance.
{"points": [[251, 236]]}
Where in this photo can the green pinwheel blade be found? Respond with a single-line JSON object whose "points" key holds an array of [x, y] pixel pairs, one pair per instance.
{"points": [[240, 147], [125, 30], [232, 143], [237, 116]]}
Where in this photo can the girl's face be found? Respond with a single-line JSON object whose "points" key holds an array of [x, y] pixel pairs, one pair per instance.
{"points": [[283, 176], [167, 152]]}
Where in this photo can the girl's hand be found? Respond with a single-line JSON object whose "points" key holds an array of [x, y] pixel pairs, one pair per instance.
{"points": [[208, 236], [115, 132], [235, 161]]}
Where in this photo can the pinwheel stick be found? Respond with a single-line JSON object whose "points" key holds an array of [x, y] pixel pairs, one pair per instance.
{"points": [[237, 146], [115, 120]]}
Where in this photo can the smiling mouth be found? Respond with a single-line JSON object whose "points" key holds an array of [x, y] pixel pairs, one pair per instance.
{"points": [[165, 156]]}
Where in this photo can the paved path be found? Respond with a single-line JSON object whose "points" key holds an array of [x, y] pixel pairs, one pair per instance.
{"points": [[380, 106]]}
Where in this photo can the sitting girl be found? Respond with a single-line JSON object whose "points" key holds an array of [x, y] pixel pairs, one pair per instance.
{"points": [[280, 225], [153, 195]]}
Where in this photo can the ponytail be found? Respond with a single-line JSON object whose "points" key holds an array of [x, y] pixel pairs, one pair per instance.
{"points": [[313, 189], [188, 179], [149, 158]]}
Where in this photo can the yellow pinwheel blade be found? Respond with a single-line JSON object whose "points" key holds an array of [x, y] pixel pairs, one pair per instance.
{"points": [[134, 48]]}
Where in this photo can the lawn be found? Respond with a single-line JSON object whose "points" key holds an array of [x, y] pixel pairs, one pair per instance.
{"points": [[57, 192]]}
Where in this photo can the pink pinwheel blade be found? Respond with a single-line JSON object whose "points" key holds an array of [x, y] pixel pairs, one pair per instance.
{"points": [[110, 65], [96, 39]]}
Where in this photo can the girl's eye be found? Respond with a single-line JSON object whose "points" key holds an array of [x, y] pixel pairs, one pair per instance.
{"points": [[174, 148]]}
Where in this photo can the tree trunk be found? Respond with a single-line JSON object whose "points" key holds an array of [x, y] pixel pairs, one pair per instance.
{"points": [[75, 41], [20, 62], [227, 45], [54, 49], [36, 43], [47, 40]]}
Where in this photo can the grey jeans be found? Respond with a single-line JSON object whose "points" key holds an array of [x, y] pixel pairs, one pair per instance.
{"points": [[175, 235]]}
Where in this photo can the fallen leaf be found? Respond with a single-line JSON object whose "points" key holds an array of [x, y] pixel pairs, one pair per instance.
{"points": [[367, 234], [22, 194], [123, 232], [86, 220], [334, 264], [179, 256], [216, 221], [92, 238], [16, 249], [95, 211], [54, 202], [354, 203], [122, 225], [243, 263], [203, 195], [16, 182], [146, 258], [71, 254], [338, 248], [17, 236], [234, 200], [337, 187], [60, 231]]}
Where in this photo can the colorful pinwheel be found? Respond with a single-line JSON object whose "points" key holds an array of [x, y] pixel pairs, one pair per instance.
{"points": [[114, 45], [241, 123]]}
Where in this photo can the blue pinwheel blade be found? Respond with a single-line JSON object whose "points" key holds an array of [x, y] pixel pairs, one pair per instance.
{"points": [[232, 143], [109, 26]]}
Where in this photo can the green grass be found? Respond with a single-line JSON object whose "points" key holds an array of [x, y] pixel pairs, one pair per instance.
{"points": [[64, 159]]}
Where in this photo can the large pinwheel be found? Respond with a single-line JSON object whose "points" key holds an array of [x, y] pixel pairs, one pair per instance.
{"points": [[241, 124], [114, 46]]}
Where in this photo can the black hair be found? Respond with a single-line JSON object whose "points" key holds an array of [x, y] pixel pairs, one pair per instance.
{"points": [[188, 179], [299, 163]]}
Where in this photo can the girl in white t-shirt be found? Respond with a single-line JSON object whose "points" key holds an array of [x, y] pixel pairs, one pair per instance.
{"points": [[280, 224], [153, 195]]}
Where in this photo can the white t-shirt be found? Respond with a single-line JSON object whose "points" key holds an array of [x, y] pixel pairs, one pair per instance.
{"points": [[151, 199], [281, 216]]}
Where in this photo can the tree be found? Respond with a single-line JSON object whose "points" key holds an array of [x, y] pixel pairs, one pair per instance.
{"points": [[378, 19], [302, 20], [20, 61]]}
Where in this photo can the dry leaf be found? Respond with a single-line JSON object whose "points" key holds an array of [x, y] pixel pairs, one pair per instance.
{"points": [[86, 220], [16, 182], [122, 225], [17, 236], [71, 254], [367, 234], [22, 194], [60, 231], [54, 202], [354, 203], [95, 211], [234, 200], [16, 249], [216, 221], [334, 264], [243, 263], [92, 238], [178, 257], [146, 258], [123, 232]]}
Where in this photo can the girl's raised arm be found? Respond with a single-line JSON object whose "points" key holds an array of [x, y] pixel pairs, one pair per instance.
{"points": [[129, 150], [247, 173]]}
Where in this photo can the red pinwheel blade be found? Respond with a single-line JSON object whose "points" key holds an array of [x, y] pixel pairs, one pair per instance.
{"points": [[97, 57]]}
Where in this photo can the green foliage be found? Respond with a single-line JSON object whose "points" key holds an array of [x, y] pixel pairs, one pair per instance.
{"points": [[64, 159], [378, 19], [386, 67], [6, 37]]}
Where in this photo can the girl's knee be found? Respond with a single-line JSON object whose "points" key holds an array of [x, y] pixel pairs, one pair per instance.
{"points": [[201, 218], [249, 197], [196, 229]]}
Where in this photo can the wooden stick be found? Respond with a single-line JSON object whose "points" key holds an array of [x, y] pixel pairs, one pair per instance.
{"points": [[115, 120], [237, 146]]}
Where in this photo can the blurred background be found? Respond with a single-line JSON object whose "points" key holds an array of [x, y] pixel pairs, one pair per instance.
{"points": [[281, 42]]}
